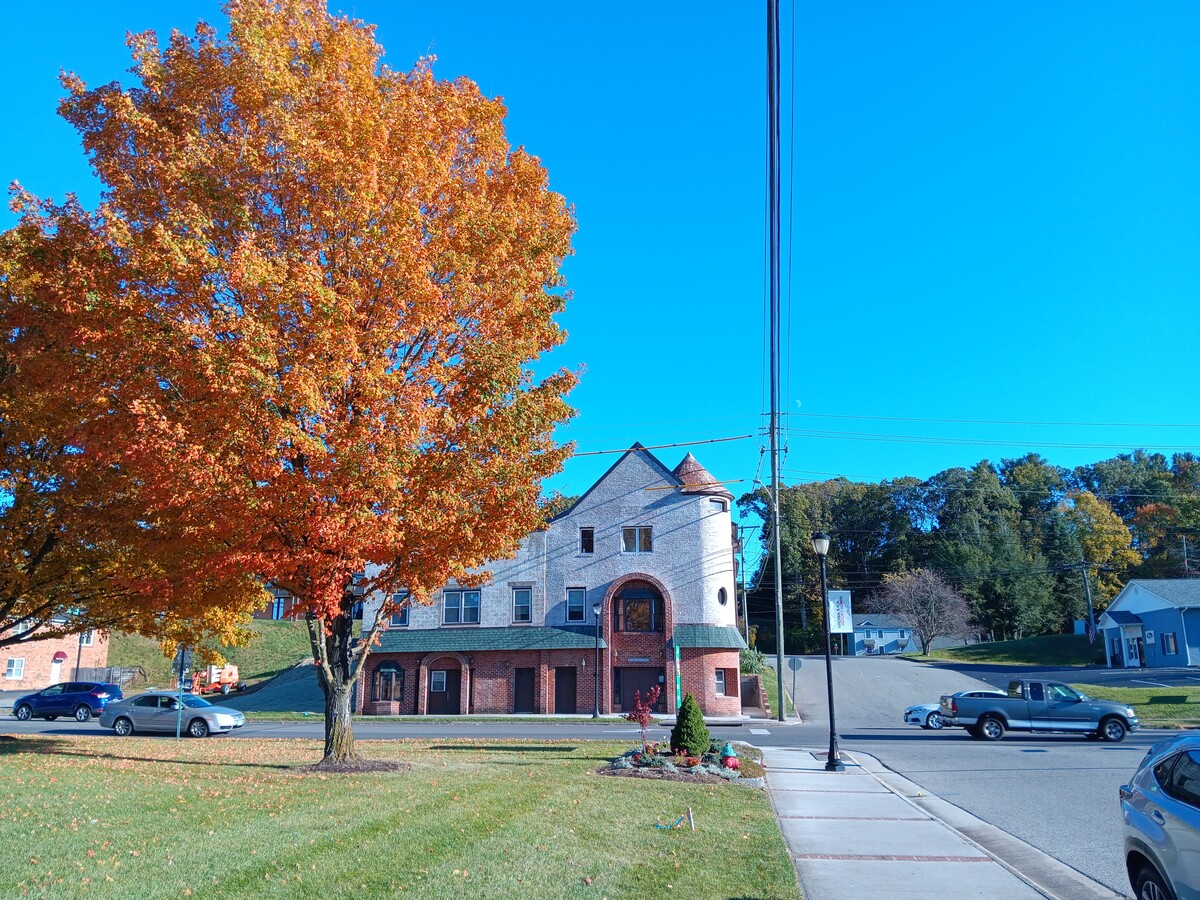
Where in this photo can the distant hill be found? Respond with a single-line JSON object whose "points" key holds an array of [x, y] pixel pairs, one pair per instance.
{"points": [[278, 645]]}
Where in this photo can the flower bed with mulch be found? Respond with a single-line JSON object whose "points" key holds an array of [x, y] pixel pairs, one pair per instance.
{"points": [[653, 761]]}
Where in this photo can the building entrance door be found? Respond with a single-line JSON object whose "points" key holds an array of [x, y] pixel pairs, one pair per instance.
{"points": [[523, 691], [566, 685]]}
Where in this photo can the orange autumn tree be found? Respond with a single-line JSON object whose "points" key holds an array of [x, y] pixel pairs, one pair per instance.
{"points": [[78, 549], [331, 278]]}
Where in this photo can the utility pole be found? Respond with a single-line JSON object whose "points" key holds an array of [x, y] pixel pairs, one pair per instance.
{"points": [[773, 204], [1087, 590]]}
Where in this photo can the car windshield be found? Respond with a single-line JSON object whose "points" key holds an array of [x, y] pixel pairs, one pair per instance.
{"points": [[193, 702]]}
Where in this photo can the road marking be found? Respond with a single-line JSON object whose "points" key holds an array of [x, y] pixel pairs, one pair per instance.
{"points": [[1155, 683], [759, 731]]}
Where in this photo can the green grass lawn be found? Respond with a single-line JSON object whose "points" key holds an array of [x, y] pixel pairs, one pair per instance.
{"points": [[1157, 707], [1047, 650], [243, 817], [771, 686], [277, 646]]}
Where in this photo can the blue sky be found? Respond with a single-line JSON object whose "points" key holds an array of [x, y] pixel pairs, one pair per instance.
{"points": [[994, 213]]}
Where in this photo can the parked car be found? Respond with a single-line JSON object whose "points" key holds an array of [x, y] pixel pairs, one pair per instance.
{"points": [[81, 699], [159, 711], [929, 715], [1161, 811]]}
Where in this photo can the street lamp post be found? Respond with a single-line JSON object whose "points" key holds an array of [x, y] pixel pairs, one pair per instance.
{"points": [[820, 545], [597, 608]]}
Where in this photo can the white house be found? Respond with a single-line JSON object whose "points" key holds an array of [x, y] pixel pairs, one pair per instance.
{"points": [[642, 566]]}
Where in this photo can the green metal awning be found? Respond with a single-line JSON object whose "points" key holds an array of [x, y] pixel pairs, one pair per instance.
{"points": [[468, 639]]}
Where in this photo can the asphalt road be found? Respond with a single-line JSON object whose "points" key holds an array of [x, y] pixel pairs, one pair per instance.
{"points": [[1057, 792]]}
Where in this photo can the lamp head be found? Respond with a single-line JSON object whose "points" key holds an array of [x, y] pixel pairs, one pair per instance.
{"points": [[820, 543], [596, 607]]}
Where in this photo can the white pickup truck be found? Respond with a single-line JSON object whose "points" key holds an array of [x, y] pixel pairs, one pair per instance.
{"points": [[1035, 705]]}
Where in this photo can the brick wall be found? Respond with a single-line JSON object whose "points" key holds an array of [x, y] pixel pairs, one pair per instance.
{"points": [[698, 673], [39, 671]]}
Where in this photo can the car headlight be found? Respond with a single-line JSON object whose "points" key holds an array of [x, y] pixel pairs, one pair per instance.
{"points": [[1129, 712]]}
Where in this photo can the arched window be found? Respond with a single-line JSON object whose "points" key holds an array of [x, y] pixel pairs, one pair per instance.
{"points": [[638, 607], [388, 683]]}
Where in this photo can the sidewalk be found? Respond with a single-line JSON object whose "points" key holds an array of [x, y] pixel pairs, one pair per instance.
{"points": [[868, 832]]}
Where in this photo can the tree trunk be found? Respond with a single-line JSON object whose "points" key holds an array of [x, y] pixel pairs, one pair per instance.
{"points": [[336, 671], [339, 728]]}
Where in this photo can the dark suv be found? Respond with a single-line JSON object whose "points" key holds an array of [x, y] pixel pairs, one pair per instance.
{"points": [[81, 699]]}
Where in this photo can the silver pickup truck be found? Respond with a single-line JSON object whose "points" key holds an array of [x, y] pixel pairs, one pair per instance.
{"points": [[1034, 705]]}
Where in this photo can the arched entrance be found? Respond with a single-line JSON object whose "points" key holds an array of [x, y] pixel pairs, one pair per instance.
{"points": [[638, 624]]}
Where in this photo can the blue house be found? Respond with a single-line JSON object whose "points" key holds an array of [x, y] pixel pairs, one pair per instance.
{"points": [[878, 634], [1153, 623]]}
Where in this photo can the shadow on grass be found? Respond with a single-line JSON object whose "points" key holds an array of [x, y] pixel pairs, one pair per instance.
{"points": [[505, 748], [11, 746]]}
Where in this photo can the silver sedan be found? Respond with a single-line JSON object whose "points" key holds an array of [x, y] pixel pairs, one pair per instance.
{"points": [[160, 711]]}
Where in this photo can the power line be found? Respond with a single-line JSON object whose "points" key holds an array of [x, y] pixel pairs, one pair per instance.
{"points": [[969, 442], [740, 437], [1001, 421]]}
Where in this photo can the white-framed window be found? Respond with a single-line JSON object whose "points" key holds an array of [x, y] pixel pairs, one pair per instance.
{"points": [[399, 618], [637, 539], [576, 598], [587, 540], [14, 668], [437, 681], [522, 604], [721, 682], [461, 608], [88, 638], [1169, 643]]}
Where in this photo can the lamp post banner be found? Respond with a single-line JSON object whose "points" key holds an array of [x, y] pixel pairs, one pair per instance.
{"points": [[838, 612]]}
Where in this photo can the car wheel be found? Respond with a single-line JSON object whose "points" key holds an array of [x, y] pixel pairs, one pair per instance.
{"points": [[24, 712], [198, 728], [934, 721], [123, 727], [1113, 730], [991, 728], [1152, 886], [82, 713]]}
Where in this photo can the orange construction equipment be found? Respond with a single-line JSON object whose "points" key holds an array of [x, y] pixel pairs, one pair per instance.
{"points": [[217, 678]]}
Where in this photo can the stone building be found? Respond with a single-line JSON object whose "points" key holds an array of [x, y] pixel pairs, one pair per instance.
{"points": [[646, 556]]}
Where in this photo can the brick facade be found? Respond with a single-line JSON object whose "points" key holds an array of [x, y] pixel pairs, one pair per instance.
{"points": [[39, 668]]}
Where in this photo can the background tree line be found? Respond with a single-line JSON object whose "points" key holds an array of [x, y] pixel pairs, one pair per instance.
{"points": [[1014, 539]]}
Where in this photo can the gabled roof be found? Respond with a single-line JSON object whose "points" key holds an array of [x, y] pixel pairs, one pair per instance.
{"points": [[696, 479], [1180, 592], [689, 476], [462, 640], [1123, 617], [876, 620]]}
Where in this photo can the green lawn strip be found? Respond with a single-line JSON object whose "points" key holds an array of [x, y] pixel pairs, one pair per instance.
{"points": [[771, 685], [1165, 707], [1046, 650], [242, 818]]}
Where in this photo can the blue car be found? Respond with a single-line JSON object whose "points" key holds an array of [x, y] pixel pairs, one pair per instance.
{"points": [[81, 699]]}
